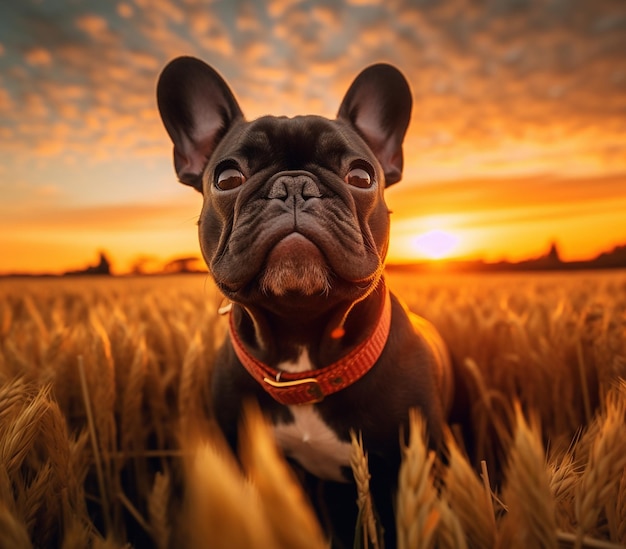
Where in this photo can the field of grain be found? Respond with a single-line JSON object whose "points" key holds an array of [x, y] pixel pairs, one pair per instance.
{"points": [[106, 438]]}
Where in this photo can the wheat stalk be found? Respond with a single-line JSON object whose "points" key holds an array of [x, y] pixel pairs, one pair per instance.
{"points": [[77, 534], [13, 532], [158, 511], [567, 540], [223, 510], [289, 515], [360, 470], [79, 464], [450, 533], [20, 433], [134, 512], [132, 428], [620, 511], [55, 438], [563, 481], [103, 386], [605, 466], [94, 446], [12, 394], [192, 378], [469, 499], [417, 512], [530, 521]]}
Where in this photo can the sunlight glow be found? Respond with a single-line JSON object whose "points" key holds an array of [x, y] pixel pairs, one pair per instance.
{"points": [[436, 244]]}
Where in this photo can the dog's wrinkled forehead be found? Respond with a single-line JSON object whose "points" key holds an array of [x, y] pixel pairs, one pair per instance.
{"points": [[298, 143]]}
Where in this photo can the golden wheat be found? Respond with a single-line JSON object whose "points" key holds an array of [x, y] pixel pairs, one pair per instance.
{"points": [[13, 531], [605, 467], [278, 488], [450, 533], [366, 523], [555, 343], [530, 520], [564, 476], [158, 511], [223, 509], [417, 512], [620, 511], [468, 500]]}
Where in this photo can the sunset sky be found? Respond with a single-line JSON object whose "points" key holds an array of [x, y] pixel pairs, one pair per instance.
{"points": [[518, 134]]}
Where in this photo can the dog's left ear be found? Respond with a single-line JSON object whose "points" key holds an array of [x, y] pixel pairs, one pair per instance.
{"points": [[378, 105]]}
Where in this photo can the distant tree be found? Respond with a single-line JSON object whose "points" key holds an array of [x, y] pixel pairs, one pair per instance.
{"points": [[182, 265], [144, 264], [553, 254], [103, 267]]}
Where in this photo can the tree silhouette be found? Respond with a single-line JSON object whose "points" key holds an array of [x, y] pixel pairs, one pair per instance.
{"points": [[182, 265], [553, 254], [103, 267]]}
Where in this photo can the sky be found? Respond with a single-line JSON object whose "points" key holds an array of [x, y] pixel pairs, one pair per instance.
{"points": [[517, 137]]}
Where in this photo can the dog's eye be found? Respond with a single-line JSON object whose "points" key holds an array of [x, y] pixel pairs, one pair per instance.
{"points": [[229, 179], [358, 177]]}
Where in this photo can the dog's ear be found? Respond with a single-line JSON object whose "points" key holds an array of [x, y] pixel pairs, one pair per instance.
{"points": [[378, 105], [197, 108]]}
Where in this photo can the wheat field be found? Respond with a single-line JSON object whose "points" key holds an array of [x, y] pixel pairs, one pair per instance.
{"points": [[106, 439]]}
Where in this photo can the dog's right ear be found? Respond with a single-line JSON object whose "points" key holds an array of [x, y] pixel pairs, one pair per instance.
{"points": [[197, 108]]}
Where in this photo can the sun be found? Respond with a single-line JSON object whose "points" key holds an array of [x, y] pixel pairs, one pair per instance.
{"points": [[436, 244]]}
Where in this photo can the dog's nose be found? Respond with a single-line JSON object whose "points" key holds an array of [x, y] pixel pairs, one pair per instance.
{"points": [[294, 186]]}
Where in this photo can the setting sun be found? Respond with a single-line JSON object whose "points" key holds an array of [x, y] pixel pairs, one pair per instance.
{"points": [[436, 244]]}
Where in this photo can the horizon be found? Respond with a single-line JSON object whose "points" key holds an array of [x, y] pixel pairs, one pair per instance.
{"points": [[146, 265], [516, 138]]}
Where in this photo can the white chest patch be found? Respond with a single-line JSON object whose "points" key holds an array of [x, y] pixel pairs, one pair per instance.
{"points": [[313, 444], [308, 440], [302, 364]]}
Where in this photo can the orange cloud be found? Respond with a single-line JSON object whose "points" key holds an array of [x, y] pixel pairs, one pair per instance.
{"points": [[113, 218], [94, 25], [521, 193], [278, 8], [125, 10], [38, 57]]}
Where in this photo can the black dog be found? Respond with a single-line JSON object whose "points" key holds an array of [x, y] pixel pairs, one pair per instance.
{"points": [[295, 229]]}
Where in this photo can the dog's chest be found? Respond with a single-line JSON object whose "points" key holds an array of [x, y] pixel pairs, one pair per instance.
{"points": [[309, 440], [313, 444]]}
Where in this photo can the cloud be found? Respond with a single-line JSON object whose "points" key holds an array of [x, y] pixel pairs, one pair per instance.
{"points": [[497, 200], [93, 25], [38, 57], [247, 19], [118, 218], [125, 10], [278, 8], [524, 74], [6, 101]]}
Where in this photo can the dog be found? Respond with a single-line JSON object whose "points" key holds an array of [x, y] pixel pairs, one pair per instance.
{"points": [[294, 229]]}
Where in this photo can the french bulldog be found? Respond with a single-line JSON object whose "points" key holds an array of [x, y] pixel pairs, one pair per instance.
{"points": [[294, 229]]}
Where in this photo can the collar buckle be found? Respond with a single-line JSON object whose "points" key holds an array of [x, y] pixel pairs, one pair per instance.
{"points": [[311, 394]]}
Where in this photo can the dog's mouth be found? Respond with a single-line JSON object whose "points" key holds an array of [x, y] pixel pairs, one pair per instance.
{"points": [[295, 265], [270, 253]]}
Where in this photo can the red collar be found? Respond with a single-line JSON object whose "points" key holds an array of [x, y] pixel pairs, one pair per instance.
{"points": [[313, 385]]}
